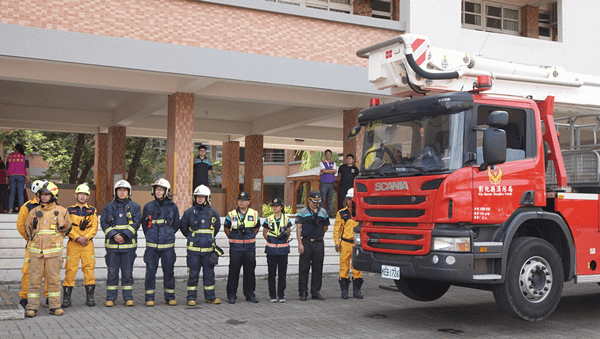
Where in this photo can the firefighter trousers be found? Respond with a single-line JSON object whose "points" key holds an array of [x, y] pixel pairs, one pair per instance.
{"points": [[38, 266], [167, 258], [122, 261], [195, 263], [346, 261], [76, 252], [25, 278]]}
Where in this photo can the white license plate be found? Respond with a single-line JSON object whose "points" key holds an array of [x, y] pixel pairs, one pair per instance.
{"points": [[390, 272]]}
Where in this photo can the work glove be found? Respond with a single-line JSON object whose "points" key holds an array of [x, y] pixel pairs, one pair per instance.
{"points": [[213, 260]]}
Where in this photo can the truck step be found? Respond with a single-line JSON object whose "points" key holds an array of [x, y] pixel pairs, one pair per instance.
{"points": [[487, 277]]}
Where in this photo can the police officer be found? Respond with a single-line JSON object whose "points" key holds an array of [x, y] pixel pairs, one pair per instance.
{"points": [[23, 213], [343, 236], [200, 225], [241, 227], [120, 222], [160, 222], [276, 230], [84, 227], [311, 224], [46, 227]]}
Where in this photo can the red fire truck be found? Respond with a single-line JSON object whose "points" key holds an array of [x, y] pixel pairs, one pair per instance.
{"points": [[464, 183]]}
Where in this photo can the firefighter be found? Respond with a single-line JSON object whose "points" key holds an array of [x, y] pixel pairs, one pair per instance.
{"points": [[276, 230], [120, 222], [46, 227], [160, 222], [241, 227], [80, 246], [343, 236], [23, 213], [200, 225]]}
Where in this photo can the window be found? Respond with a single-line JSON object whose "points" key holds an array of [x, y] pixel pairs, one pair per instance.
{"points": [[343, 6], [492, 17], [382, 9], [274, 155], [545, 28]]}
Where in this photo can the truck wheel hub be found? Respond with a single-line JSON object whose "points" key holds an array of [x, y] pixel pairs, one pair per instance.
{"points": [[535, 279]]}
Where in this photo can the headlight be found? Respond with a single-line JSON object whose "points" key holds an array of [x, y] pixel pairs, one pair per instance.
{"points": [[357, 239], [447, 244]]}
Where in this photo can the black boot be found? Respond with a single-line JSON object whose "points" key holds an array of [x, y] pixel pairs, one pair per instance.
{"points": [[344, 284], [89, 291], [23, 302], [66, 302], [356, 285]]}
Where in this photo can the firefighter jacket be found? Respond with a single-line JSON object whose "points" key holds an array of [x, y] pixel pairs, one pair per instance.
{"points": [[343, 229], [160, 222], [46, 226], [84, 222], [200, 225], [241, 235], [23, 213], [121, 217], [277, 238]]}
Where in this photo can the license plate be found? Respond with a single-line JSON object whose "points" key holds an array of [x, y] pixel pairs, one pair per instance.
{"points": [[390, 272]]}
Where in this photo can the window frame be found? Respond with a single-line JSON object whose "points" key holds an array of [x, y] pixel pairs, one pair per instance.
{"points": [[546, 25], [484, 16]]}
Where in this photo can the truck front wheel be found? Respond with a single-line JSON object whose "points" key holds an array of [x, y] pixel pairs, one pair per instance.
{"points": [[422, 289], [534, 280]]}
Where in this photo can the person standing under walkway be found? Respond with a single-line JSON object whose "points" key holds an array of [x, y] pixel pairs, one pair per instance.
{"points": [[160, 222], [343, 236], [311, 224], [120, 221], [80, 246], [241, 227], [347, 173], [46, 227], [200, 224], [3, 188], [202, 168], [328, 170], [276, 230], [17, 170]]}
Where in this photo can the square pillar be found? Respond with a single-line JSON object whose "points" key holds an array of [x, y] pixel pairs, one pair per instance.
{"points": [[355, 144], [230, 173], [103, 189], [530, 22], [180, 153], [253, 171]]}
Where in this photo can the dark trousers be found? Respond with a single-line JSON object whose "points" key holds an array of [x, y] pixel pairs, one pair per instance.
{"points": [[313, 256], [277, 263], [195, 263], [341, 197], [3, 197], [124, 262], [237, 260], [167, 258]]}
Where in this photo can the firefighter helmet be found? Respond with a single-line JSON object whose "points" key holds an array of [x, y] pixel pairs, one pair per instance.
{"points": [[350, 194], [162, 183], [83, 188], [122, 184], [37, 184], [204, 191], [50, 188]]}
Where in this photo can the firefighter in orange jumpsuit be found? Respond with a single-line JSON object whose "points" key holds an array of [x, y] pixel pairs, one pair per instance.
{"points": [[23, 212], [46, 227], [83, 228], [343, 236]]}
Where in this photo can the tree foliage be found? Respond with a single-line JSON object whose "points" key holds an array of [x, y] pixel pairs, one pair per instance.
{"points": [[145, 162]]}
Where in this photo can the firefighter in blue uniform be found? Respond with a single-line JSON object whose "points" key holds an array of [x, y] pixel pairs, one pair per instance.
{"points": [[200, 225], [120, 221], [160, 222], [241, 227]]}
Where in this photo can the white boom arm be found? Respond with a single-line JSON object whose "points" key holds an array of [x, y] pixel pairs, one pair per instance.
{"points": [[408, 65]]}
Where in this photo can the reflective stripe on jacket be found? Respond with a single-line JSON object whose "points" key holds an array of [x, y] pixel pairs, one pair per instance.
{"points": [[47, 229]]}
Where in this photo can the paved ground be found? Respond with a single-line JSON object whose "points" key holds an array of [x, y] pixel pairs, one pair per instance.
{"points": [[382, 314]]}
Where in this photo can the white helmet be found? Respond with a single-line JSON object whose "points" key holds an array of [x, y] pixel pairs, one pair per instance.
{"points": [[202, 190], [163, 183], [36, 185], [350, 194], [122, 184]]}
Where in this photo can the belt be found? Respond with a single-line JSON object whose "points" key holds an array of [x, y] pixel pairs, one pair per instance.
{"points": [[348, 240], [242, 241], [313, 240]]}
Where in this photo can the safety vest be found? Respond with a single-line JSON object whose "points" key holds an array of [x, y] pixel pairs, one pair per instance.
{"points": [[16, 164], [243, 239], [276, 246], [200, 226]]}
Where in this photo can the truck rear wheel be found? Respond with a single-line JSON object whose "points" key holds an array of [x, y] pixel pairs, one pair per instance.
{"points": [[534, 280], [422, 289]]}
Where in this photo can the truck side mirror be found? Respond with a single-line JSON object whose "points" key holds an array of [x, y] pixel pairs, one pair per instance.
{"points": [[354, 132], [494, 139]]}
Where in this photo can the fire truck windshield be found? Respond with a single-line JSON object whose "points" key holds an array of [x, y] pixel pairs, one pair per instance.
{"points": [[432, 144]]}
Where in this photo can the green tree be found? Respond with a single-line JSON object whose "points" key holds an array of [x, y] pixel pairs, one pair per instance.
{"points": [[145, 162], [311, 159]]}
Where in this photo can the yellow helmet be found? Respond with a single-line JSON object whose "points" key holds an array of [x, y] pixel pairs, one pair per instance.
{"points": [[51, 188], [83, 188]]}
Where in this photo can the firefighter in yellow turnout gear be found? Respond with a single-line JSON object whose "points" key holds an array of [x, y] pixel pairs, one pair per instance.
{"points": [[343, 236], [46, 227], [80, 247], [23, 213]]}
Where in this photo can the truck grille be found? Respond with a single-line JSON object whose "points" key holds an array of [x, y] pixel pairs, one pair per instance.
{"points": [[413, 242], [404, 200], [395, 213]]}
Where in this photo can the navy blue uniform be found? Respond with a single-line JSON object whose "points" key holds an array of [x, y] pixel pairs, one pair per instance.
{"points": [[313, 230], [242, 242], [120, 217], [201, 168], [277, 250], [160, 223]]}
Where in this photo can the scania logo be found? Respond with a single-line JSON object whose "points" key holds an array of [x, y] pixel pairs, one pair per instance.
{"points": [[391, 186]]}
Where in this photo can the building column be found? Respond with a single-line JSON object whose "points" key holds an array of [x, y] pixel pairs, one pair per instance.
{"points": [[288, 187], [180, 129], [353, 145], [253, 171], [230, 173], [103, 188], [530, 22]]}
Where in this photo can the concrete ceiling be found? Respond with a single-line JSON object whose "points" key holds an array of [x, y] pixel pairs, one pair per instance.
{"points": [[43, 95]]}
